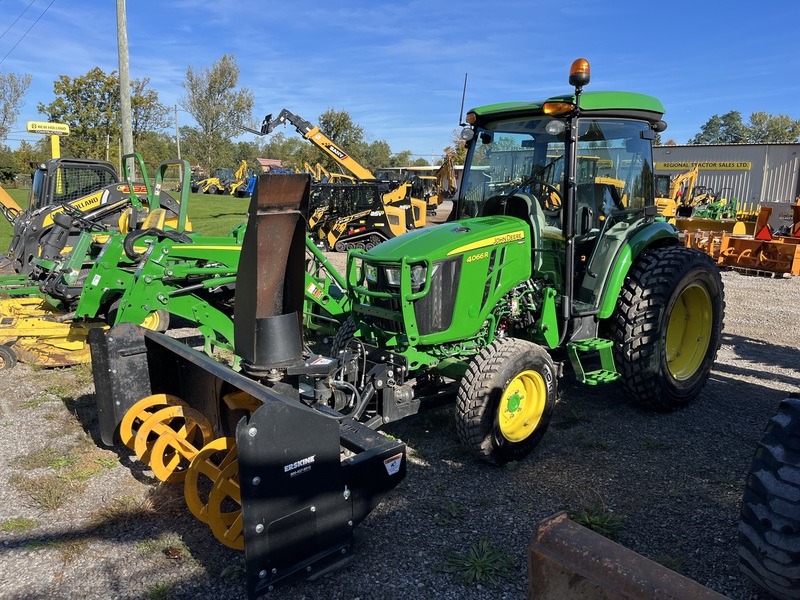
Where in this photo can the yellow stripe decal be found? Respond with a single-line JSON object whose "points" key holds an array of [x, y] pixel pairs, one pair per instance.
{"points": [[492, 241]]}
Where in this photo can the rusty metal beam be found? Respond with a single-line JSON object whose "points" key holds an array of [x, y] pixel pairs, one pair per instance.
{"points": [[569, 562]]}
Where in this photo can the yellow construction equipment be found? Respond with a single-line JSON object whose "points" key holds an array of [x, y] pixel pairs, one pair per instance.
{"points": [[348, 217], [673, 191]]}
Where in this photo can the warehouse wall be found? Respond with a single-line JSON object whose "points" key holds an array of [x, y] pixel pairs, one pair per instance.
{"points": [[754, 172]]}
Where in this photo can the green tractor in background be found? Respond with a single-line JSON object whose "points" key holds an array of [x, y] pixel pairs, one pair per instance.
{"points": [[539, 266]]}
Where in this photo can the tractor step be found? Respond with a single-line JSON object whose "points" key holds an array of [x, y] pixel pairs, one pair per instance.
{"points": [[593, 348]]}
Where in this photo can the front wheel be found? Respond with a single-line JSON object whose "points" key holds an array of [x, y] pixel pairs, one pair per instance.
{"points": [[505, 400], [667, 326], [769, 526], [8, 359]]}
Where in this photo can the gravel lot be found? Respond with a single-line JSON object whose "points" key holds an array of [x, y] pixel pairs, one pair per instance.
{"points": [[80, 520]]}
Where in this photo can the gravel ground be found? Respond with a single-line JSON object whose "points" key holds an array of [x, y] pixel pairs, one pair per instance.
{"points": [[81, 520]]}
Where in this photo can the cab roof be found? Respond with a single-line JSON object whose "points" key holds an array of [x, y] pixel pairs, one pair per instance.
{"points": [[638, 105]]}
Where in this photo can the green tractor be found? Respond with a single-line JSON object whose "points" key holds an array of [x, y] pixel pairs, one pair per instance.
{"points": [[537, 267], [543, 263]]}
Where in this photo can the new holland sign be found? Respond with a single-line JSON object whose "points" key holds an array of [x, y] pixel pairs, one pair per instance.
{"points": [[44, 128], [704, 166]]}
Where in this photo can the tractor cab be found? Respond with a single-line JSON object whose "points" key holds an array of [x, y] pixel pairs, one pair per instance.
{"points": [[578, 170], [63, 180]]}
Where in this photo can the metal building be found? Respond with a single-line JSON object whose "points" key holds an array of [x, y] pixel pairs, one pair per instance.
{"points": [[751, 173]]}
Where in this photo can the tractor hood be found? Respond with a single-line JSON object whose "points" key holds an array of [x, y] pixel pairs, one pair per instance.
{"points": [[457, 237]]}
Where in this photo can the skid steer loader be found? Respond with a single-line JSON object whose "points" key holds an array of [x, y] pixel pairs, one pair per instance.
{"points": [[38, 324], [536, 270]]}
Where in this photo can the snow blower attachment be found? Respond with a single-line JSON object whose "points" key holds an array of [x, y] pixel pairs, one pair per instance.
{"points": [[270, 474]]}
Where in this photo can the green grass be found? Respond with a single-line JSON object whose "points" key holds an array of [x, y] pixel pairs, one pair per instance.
{"points": [[210, 215], [483, 563], [18, 525], [599, 520]]}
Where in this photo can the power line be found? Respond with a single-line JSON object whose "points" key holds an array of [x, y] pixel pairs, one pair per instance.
{"points": [[18, 18], [27, 32]]}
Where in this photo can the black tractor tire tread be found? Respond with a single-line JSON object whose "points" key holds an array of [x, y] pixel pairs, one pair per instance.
{"points": [[8, 358], [343, 335], [635, 326], [474, 415], [6, 266], [769, 526]]}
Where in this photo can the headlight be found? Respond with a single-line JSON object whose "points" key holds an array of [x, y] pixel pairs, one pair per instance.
{"points": [[419, 273], [371, 273], [392, 276]]}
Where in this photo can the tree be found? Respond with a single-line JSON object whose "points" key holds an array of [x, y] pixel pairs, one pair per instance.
{"points": [[767, 128], [12, 90], [457, 150], [147, 113], [727, 129], [761, 129], [25, 154], [217, 106], [90, 105]]}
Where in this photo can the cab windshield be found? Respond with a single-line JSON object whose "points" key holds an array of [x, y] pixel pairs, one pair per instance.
{"points": [[526, 156]]}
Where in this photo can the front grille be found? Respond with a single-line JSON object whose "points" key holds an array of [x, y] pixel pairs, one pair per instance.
{"points": [[434, 311]]}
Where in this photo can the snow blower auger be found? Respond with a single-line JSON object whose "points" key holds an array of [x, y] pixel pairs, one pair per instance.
{"points": [[290, 477]]}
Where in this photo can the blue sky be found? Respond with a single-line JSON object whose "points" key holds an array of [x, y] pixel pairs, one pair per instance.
{"points": [[398, 67]]}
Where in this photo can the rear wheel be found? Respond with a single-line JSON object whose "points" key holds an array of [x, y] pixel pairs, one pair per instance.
{"points": [[212, 189], [7, 358], [769, 526], [6, 266], [505, 400], [667, 326]]}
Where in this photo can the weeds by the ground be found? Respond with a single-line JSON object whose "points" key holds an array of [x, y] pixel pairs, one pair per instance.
{"points": [[483, 563]]}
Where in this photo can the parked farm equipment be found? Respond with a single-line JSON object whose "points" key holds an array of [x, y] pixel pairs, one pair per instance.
{"points": [[359, 216], [486, 310], [39, 324]]}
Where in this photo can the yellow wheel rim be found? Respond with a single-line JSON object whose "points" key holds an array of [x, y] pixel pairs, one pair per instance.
{"points": [[152, 321], [689, 332], [522, 405]]}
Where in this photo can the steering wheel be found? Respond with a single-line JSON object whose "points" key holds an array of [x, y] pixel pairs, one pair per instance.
{"points": [[552, 201]]}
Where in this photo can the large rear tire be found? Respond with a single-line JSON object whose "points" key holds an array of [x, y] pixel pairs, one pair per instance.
{"points": [[769, 526], [667, 326], [505, 400], [6, 266]]}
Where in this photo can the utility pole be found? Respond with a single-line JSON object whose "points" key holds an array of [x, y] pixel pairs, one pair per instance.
{"points": [[124, 84], [178, 143]]}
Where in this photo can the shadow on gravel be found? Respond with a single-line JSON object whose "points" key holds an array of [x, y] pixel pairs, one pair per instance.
{"points": [[752, 351]]}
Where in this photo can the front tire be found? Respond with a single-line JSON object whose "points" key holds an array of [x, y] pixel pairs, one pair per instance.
{"points": [[769, 526], [667, 326], [8, 358], [505, 400]]}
